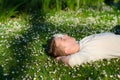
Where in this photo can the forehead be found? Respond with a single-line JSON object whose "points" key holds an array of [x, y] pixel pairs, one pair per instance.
{"points": [[58, 41]]}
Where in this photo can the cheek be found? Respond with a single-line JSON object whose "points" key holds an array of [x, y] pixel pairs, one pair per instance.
{"points": [[73, 41], [66, 44], [70, 44]]}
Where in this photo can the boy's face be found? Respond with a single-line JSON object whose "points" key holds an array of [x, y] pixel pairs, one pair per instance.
{"points": [[65, 42]]}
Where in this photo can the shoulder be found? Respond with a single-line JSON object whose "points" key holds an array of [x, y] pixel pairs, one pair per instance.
{"points": [[97, 35], [105, 34]]}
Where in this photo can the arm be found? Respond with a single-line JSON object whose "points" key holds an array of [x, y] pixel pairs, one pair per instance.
{"points": [[74, 59], [64, 59]]}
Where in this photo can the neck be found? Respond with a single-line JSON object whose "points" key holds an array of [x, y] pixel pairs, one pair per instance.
{"points": [[77, 47]]}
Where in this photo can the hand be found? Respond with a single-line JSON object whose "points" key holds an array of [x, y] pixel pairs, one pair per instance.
{"points": [[64, 59], [58, 58]]}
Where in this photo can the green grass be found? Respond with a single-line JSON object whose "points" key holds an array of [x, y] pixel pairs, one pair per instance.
{"points": [[12, 8], [23, 43]]}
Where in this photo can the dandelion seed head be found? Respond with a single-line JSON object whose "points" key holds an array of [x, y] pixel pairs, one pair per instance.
{"points": [[118, 76]]}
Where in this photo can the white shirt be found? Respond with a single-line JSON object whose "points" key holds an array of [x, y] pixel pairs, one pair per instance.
{"points": [[95, 47]]}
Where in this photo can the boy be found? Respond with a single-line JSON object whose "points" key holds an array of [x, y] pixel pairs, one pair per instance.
{"points": [[90, 48]]}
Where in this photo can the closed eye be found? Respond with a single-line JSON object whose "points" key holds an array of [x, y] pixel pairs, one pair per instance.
{"points": [[63, 39]]}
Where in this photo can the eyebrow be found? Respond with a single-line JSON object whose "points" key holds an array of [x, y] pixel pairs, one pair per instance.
{"points": [[60, 38]]}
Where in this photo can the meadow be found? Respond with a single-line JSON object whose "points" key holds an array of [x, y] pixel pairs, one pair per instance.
{"points": [[26, 28]]}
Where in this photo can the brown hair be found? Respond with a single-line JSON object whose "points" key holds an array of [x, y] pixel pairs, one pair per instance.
{"points": [[54, 50]]}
